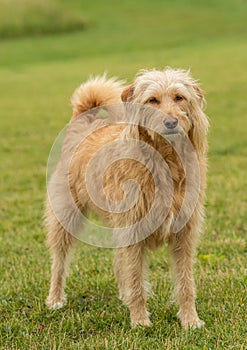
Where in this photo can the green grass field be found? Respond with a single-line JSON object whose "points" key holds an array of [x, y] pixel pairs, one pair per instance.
{"points": [[38, 75]]}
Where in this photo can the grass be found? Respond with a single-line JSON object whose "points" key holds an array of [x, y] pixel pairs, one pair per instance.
{"points": [[35, 17], [38, 75]]}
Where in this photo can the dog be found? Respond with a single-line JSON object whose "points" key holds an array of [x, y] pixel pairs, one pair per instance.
{"points": [[169, 121]]}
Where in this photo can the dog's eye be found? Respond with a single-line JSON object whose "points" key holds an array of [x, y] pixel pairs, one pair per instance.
{"points": [[152, 100], [178, 98]]}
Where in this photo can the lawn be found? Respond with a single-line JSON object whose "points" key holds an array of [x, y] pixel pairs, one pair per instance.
{"points": [[38, 75]]}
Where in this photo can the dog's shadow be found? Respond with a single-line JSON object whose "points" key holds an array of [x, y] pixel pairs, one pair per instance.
{"points": [[99, 310], [96, 312]]}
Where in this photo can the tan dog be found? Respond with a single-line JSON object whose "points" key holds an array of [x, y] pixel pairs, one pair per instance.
{"points": [[179, 126]]}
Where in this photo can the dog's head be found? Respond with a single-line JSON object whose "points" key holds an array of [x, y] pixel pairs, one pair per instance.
{"points": [[179, 99]]}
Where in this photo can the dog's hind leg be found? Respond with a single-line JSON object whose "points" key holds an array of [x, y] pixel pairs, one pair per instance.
{"points": [[182, 246], [60, 243], [129, 269]]}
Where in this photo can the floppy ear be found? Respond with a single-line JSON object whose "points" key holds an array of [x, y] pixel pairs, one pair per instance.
{"points": [[127, 93], [200, 96], [198, 132], [131, 131]]}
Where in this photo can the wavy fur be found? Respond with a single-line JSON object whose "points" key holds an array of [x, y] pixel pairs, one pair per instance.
{"points": [[177, 95]]}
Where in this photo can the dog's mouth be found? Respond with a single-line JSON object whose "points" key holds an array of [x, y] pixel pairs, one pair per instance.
{"points": [[172, 132], [166, 133]]}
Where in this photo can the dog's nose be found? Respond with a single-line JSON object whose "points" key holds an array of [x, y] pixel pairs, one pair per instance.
{"points": [[170, 122]]}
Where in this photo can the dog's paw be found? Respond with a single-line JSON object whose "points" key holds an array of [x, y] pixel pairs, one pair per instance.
{"points": [[141, 320], [55, 303], [198, 324], [191, 321]]}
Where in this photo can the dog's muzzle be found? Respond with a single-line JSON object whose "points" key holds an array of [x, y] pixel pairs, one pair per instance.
{"points": [[171, 124]]}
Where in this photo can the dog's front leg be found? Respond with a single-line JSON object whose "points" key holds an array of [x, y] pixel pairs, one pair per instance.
{"points": [[129, 270], [182, 246]]}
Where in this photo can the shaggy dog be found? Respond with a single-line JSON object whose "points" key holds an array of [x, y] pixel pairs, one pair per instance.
{"points": [[170, 123]]}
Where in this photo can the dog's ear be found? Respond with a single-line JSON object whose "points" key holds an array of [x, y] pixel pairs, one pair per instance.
{"points": [[127, 93], [198, 132], [132, 113], [200, 96]]}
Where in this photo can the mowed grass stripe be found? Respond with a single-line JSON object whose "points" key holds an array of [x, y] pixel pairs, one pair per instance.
{"points": [[35, 18]]}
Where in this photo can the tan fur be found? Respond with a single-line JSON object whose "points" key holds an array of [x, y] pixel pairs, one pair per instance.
{"points": [[129, 263], [95, 92]]}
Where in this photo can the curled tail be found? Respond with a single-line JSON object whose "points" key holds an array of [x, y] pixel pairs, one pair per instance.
{"points": [[96, 92]]}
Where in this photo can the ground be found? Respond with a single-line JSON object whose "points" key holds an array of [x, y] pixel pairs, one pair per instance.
{"points": [[38, 75]]}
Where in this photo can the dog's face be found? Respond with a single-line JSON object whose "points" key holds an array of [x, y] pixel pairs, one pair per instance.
{"points": [[177, 96]]}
